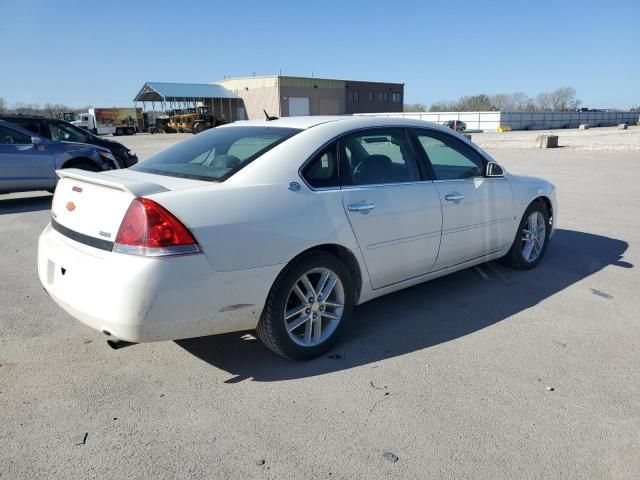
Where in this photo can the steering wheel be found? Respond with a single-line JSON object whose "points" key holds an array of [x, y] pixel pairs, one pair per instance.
{"points": [[357, 171]]}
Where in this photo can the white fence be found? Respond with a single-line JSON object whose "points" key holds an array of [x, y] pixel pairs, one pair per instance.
{"points": [[474, 120], [522, 120]]}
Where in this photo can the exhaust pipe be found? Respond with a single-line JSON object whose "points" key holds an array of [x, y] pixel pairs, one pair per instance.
{"points": [[118, 344], [115, 342]]}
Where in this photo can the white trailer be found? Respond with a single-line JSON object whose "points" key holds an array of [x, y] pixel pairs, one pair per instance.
{"points": [[114, 121]]}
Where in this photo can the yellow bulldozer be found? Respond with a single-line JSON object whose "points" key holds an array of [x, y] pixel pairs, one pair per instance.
{"points": [[194, 120]]}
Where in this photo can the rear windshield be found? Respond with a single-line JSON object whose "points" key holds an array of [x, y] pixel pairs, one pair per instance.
{"points": [[215, 154]]}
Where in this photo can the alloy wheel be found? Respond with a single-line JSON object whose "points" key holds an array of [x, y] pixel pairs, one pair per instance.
{"points": [[534, 235], [314, 307]]}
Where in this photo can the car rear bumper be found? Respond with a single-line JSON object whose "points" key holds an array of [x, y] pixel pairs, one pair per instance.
{"points": [[141, 299]]}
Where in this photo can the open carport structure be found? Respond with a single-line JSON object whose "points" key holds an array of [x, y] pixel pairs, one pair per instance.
{"points": [[168, 96]]}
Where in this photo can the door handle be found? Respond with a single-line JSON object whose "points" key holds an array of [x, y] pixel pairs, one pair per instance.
{"points": [[363, 207], [454, 197]]}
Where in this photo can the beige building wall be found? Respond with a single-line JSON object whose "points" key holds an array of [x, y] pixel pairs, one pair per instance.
{"points": [[326, 96], [257, 93]]}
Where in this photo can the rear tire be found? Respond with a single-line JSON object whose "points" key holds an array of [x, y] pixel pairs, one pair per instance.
{"points": [[532, 238], [300, 323]]}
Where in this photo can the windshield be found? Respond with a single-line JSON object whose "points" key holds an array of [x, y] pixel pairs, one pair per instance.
{"points": [[215, 154]]}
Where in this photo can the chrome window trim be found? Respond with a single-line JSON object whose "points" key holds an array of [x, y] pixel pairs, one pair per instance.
{"points": [[392, 184]]}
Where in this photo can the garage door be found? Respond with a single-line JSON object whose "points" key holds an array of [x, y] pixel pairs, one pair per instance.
{"points": [[298, 106]]}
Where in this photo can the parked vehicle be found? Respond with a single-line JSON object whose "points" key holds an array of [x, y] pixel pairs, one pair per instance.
{"points": [[457, 125], [283, 226], [194, 120], [29, 162], [114, 121], [62, 131]]}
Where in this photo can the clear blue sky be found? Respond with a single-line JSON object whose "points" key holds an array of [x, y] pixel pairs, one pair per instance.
{"points": [[101, 53]]}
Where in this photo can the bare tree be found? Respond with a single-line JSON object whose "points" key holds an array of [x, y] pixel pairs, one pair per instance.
{"points": [[414, 107], [441, 107], [3, 105], [564, 98]]}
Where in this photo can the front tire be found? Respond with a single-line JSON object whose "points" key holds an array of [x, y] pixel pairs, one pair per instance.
{"points": [[532, 238], [308, 306]]}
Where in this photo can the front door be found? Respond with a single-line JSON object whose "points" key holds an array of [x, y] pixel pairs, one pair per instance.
{"points": [[394, 213], [477, 212], [24, 166]]}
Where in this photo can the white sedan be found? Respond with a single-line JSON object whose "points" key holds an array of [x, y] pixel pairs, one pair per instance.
{"points": [[282, 226]]}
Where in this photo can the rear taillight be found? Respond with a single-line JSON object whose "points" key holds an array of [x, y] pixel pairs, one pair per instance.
{"points": [[151, 230]]}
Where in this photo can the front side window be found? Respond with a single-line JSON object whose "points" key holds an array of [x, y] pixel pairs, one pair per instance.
{"points": [[376, 157], [63, 132], [216, 154], [322, 170], [9, 136], [450, 159]]}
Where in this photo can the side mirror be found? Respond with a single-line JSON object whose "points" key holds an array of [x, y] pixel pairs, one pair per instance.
{"points": [[494, 170], [37, 141]]}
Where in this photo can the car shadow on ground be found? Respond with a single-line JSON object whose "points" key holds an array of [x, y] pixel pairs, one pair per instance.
{"points": [[25, 204], [425, 315]]}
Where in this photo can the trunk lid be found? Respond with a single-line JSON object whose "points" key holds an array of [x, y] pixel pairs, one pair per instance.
{"points": [[92, 204]]}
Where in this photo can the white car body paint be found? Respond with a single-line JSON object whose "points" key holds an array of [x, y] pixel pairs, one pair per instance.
{"points": [[251, 225]]}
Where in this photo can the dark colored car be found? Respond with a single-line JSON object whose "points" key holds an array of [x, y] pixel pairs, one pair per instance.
{"points": [[59, 130], [29, 161], [457, 125]]}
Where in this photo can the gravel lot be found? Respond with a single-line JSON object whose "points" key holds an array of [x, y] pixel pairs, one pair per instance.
{"points": [[453, 377]]}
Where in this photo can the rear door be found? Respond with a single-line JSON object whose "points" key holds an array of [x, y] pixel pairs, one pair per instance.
{"points": [[477, 212], [393, 208], [24, 166]]}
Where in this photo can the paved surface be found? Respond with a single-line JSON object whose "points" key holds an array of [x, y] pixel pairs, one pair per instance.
{"points": [[450, 376]]}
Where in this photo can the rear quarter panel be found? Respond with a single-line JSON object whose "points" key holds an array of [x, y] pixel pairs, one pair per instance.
{"points": [[253, 226]]}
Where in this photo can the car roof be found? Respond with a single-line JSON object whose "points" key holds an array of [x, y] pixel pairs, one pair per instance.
{"points": [[19, 115], [346, 121]]}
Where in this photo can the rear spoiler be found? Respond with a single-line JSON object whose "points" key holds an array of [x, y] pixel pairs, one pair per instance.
{"points": [[135, 187]]}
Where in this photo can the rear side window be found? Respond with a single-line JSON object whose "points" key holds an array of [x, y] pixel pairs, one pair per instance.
{"points": [[376, 157], [322, 170], [9, 136], [28, 124], [216, 154]]}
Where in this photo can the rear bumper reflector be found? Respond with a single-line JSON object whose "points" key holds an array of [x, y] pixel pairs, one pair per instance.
{"points": [[81, 237]]}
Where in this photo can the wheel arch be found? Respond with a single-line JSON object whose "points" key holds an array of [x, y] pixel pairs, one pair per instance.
{"points": [[346, 256], [72, 162], [546, 201]]}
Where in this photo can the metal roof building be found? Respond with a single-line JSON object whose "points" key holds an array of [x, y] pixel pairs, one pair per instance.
{"points": [[283, 96], [184, 95]]}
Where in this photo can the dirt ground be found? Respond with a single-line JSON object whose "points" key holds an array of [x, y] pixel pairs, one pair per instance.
{"points": [[487, 373]]}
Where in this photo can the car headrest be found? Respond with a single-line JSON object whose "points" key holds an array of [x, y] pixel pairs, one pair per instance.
{"points": [[374, 169], [229, 161]]}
